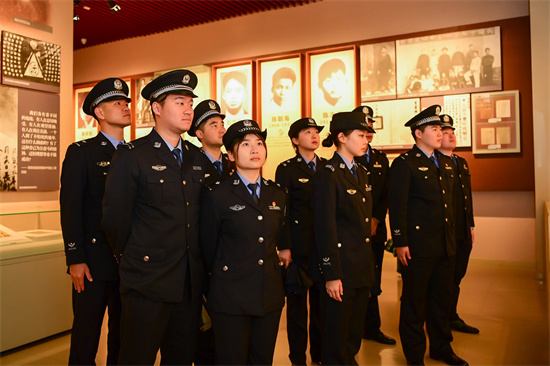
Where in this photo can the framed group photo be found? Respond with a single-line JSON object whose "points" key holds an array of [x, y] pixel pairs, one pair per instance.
{"points": [[377, 71], [234, 92]]}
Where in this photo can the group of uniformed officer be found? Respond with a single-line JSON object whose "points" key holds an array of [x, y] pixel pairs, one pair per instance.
{"points": [[156, 228]]}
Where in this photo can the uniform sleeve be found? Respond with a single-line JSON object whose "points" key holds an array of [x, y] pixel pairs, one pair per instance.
{"points": [[119, 199], [470, 208], [400, 180], [285, 241], [282, 177], [324, 198], [71, 202], [209, 229], [381, 207]]}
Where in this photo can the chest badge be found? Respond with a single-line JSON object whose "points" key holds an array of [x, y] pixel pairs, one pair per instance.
{"points": [[303, 180], [352, 191], [103, 164], [274, 206], [237, 208], [159, 168], [423, 168]]}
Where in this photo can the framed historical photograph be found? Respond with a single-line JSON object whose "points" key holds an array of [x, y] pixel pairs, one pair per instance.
{"points": [[234, 90], [496, 122], [30, 63], [377, 71], [450, 63], [280, 85], [202, 91], [458, 107], [31, 13], [331, 86]]}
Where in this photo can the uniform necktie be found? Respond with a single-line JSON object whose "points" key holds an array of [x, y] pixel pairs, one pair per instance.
{"points": [[253, 187], [432, 158], [311, 165], [368, 156], [219, 167], [178, 155], [118, 145], [354, 171]]}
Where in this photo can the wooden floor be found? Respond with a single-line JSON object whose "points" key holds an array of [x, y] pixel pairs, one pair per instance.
{"points": [[503, 300]]}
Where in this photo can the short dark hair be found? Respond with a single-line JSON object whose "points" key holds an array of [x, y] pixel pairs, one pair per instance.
{"points": [[284, 73], [237, 75], [330, 67], [234, 147], [332, 138]]}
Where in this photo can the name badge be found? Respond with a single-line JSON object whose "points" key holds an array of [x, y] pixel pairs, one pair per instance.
{"points": [[195, 167], [377, 165]]}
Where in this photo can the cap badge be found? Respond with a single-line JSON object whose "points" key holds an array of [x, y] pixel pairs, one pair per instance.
{"points": [[212, 105], [186, 79], [446, 118], [311, 121], [437, 110], [118, 84], [247, 123], [365, 110]]}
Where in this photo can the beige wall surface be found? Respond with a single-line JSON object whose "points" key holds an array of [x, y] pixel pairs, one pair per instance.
{"points": [[61, 14]]}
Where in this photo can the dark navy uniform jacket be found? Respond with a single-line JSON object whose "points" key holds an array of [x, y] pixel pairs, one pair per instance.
{"points": [[82, 187], [342, 209], [212, 175], [378, 167], [239, 239], [421, 204], [297, 177], [151, 217], [464, 212]]}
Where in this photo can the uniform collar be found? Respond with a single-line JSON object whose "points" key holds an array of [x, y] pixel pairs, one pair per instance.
{"points": [[111, 139], [179, 145]]}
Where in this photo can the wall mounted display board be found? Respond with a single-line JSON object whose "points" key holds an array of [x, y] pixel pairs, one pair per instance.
{"points": [[496, 122], [449, 63], [280, 85], [234, 90], [392, 133], [202, 91], [331, 86], [29, 138], [377, 72], [32, 13], [30, 63], [458, 107]]}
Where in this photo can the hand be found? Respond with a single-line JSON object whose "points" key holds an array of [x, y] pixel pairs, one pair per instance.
{"points": [[78, 271], [373, 226], [335, 289], [404, 255], [285, 257]]}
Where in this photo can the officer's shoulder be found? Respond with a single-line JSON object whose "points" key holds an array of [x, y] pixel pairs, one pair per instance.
{"points": [[141, 142], [284, 164], [190, 147], [270, 183], [379, 152], [361, 166], [92, 141]]}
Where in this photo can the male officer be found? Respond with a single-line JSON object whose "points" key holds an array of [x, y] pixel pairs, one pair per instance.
{"points": [[378, 166], [464, 217], [150, 216], [92, 266], [209, 128], [296, 175], [422, 225]]}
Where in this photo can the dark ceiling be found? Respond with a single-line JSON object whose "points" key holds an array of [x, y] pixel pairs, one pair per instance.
{"points": [[99, 24]]}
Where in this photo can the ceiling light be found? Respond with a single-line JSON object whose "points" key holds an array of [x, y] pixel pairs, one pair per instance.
{"points": [[113, 6]]}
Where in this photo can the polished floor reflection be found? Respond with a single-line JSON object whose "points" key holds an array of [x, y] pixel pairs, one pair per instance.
{"points": [[503, 300]]}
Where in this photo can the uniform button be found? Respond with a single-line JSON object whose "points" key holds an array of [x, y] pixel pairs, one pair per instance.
{"points": [[446, 219], [104, 173], [445, 205], [425, 177], [187, 203], [188, 225], [443, 191], [442, 178], [260, 239], [225, 268], [417, 228], [295, 221], [260, 217], [261, 262], [184, 182], [93, 240], [465, 197], [146, 258], [339, 245], [364, 199], [367, 219], [367, 240], [162, 181], [463, 186]]}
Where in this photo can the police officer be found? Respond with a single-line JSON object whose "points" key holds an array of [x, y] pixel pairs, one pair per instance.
{"points": [[296, 175], [342, 209], [464, 217], [90, 262], [243, 223], [422, 224], [378, 166], [208, 127], [151, 216]]}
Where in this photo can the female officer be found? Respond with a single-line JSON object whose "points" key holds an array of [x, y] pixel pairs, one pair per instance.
{"points": [[243, 222], [342, 206]]}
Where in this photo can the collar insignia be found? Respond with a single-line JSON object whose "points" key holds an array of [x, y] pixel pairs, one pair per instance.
{"points": [[157, 145], [342, 165], [103, 143]]}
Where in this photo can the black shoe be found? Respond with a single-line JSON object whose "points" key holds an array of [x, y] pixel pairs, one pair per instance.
{"points": [[380, 338], [451, 359], [460, 326], [415, 363]]}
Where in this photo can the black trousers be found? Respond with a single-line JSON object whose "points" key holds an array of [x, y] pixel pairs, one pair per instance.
{"points": [[342, 324], [245, 339], [372, 318], [427, 297], [297, 321], [89, 309], [148, 326], [463, 250]]}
